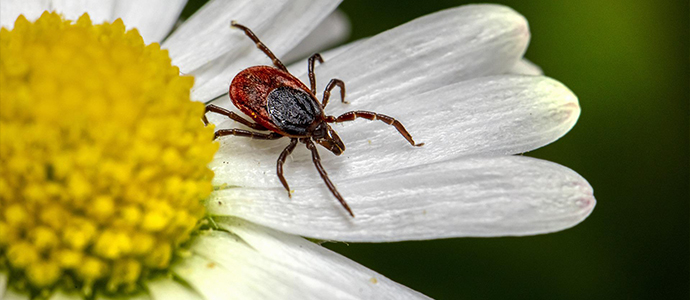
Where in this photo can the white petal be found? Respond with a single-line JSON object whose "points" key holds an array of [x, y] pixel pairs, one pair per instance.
{"points": [[300, 67], [332, 30], [167, 289], [251, 262], [209, 279], [99, 11], [3, 282], [430, 52], [480, 197], [506, 114], [426, 53], [12, 294], [208, 48], [31, 9], [138, 296], [526, 67], [60, 295], [153, 18]]}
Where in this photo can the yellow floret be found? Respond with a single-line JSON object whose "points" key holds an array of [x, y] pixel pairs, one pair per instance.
{"points": [[103, 157]]}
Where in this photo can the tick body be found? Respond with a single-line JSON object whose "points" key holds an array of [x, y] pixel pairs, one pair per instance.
{"points": [[280, 105]]}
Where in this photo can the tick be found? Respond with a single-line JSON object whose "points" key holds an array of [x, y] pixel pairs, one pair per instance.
{"points": [[282, 106]]}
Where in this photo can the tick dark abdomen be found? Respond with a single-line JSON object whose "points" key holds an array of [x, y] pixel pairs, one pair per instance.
{"points": [[275, 99], [292, 110]]}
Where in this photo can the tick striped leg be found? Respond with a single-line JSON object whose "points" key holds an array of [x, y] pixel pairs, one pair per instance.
{"points": [[317, 162], [281, 161], [310, 67], [331, 85], [231, 115], [261, 46], [352, 115], [247, 133]]}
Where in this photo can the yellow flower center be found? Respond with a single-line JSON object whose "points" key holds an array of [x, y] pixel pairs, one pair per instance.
{"points": [[103, 157]]}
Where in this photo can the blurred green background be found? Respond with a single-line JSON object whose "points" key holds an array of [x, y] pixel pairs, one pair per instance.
{"points": [[628, 62]]}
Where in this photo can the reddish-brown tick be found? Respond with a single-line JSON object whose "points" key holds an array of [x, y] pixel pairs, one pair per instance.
{"points": [[280, 103]]}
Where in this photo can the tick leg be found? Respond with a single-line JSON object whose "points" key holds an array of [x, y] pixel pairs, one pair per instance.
{"points": [[247, 133], [310, 65], [317, 162], [261, 46], [281, 161], [231, 115], [350, 116], [331, 85]]}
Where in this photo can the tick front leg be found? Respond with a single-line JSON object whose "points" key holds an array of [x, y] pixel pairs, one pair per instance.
{"points": [[231, 115], [247, 133], [352, 115], [317, 162], [261, 46], [331, 85], [281, 161], [310, 67]]}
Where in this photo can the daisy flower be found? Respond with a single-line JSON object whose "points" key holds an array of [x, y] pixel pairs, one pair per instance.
{"points": [[107, 186]]}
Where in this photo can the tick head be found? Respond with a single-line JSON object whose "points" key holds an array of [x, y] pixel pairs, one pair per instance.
{"points": [[325, 136]]}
